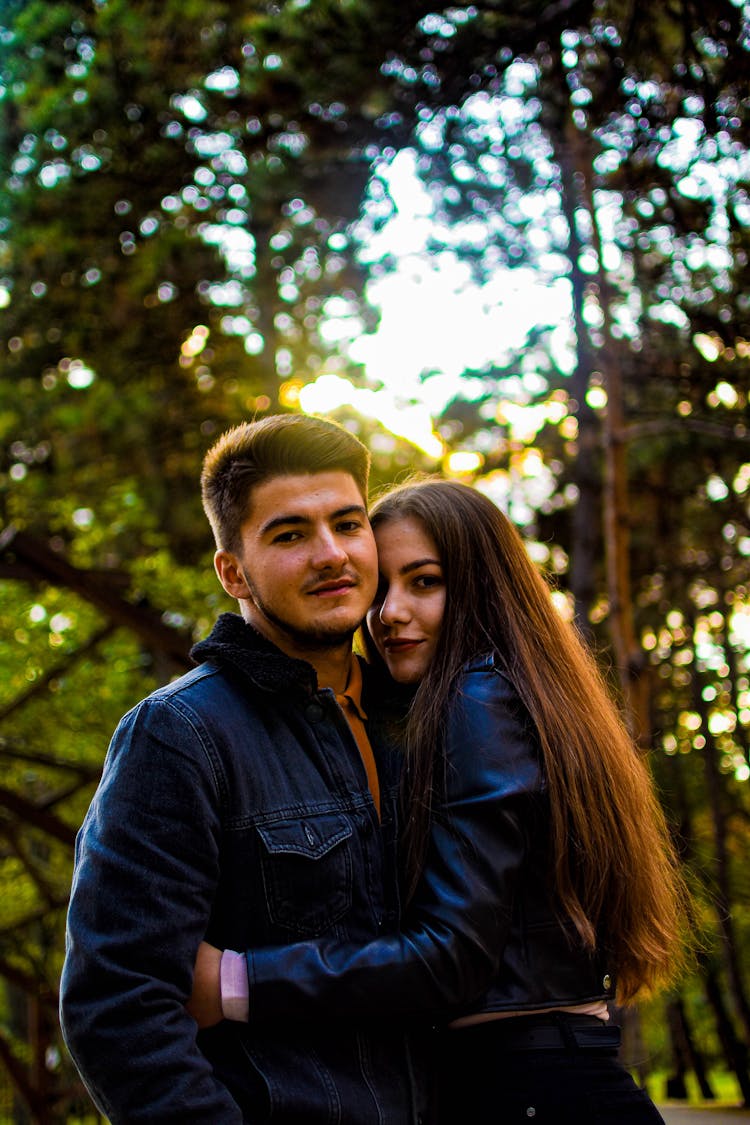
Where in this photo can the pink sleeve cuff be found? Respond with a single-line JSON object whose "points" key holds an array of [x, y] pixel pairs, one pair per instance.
{"points": [[235, 991]]}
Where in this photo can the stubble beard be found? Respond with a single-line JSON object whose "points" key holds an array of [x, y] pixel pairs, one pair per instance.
{"points": [[313, 639]]}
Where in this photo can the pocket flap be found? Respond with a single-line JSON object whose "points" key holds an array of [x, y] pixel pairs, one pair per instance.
{"points": [[311, 836]]}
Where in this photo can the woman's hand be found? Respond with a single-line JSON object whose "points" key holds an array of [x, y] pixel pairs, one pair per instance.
{"points": [[204, 1004]]}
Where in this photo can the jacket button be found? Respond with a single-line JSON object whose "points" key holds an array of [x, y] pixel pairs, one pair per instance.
{"points": [[607, 982], [314, 712]]}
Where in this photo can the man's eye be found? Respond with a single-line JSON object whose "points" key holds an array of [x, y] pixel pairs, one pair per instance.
{"points": [[286, 537], [349, 525]]}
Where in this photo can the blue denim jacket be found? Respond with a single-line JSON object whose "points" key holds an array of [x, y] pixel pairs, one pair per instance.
{"points": [[233, 805], [484, 931]]}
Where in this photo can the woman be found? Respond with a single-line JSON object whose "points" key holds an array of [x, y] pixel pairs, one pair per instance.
{"points": [[539, 879]]}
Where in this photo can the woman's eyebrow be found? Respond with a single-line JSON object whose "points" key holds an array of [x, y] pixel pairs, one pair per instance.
{"points": [[429, 561]]}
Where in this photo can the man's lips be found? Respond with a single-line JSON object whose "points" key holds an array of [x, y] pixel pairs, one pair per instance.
{"points": [[333, 588]]}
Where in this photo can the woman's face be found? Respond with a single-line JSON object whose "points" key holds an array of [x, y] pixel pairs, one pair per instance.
{"points": [[405, 619]]}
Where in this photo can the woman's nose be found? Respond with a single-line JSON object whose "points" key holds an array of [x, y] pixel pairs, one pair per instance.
{"points": [[394, 609]]}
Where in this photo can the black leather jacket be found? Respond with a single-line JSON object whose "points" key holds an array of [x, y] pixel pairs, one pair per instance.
{"points": [[483, 932]]}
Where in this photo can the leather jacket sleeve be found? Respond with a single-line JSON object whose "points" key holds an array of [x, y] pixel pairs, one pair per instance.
{"points": [[451, 942], [145, 874]]}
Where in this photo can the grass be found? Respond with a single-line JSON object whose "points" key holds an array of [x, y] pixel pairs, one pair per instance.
{"points": [[723, 1084]]}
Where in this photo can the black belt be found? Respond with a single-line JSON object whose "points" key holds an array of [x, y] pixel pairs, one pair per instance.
{"points": [[559, 1032]]}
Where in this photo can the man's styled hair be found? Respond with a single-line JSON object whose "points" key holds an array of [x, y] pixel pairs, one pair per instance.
{"points": [[278, 445]]}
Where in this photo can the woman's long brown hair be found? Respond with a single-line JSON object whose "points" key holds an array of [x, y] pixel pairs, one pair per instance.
{"points": [[615, 871]]}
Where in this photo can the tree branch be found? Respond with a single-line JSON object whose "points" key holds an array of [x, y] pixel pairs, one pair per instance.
{"points": [[47, 822], [51, 567]]}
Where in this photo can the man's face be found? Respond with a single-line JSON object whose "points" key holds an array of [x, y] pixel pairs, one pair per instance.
{"points": [[306, 570]]}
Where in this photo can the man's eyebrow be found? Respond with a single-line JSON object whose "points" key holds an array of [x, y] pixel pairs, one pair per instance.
{"points": [[294, 519]]}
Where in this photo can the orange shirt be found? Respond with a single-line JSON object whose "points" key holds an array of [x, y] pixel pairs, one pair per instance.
{"points": [[350, 702]]}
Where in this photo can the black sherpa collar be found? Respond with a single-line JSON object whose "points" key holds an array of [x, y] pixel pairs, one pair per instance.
{"points": [[235, 643]]}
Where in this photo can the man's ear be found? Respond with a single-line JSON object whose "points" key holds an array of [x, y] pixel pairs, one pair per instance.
{"points": [[231, 574]]}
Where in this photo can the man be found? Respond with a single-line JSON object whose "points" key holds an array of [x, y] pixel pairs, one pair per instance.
{"points": [[242, 803]]}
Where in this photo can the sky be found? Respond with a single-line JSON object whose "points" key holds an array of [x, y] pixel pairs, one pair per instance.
{"points": [[434, 317]]}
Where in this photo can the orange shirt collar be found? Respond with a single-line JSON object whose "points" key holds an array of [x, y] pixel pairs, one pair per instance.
{"points": [[353, 689]]}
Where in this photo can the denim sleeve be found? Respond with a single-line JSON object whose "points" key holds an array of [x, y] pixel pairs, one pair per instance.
{"points": [[146, 870], [451, 941]]}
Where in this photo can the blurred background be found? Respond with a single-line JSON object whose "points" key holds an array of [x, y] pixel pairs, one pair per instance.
{"points": [[506, 242]]}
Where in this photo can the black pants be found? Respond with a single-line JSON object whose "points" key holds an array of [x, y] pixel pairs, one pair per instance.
{"points": [[556, 1069]]}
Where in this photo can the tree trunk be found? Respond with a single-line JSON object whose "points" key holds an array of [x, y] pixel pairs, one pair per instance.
{"points": [[574, 156], [735, 1051], [632, 1051], [722, 895], [680, 1030], [267, 303], [586, 516], [676, 1081], [615, 506]]}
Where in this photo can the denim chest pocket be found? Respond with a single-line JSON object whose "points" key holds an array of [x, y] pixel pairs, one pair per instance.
{"points": [[307, 872]]}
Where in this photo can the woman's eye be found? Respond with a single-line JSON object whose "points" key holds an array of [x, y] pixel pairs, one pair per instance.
{"points": [[428, 581]]}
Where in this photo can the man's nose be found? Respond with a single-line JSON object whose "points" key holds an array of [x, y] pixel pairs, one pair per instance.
{"points": [[329, 551]]}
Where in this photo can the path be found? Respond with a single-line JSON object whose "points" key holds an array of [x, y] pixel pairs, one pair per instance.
{"points": [[704, 1115]]}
